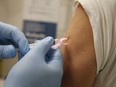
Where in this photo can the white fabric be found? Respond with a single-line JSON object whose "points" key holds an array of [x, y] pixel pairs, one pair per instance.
{"points": [[102, 16]]}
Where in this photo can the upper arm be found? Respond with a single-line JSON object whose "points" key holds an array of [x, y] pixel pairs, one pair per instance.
{"points": [[79, 54]]}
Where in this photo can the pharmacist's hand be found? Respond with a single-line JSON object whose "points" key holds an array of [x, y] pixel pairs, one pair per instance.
{"points": [[40, 67], [10, 39]]}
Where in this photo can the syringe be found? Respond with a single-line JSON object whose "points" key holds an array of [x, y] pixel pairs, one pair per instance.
{"points": [[58, 43]]}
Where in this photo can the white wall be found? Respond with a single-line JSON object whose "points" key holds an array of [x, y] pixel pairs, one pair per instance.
{"points": [[14, 10], [11, 11], [64, 17], [3, 16]]}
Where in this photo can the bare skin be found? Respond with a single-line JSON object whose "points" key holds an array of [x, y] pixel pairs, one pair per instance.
{"points": [[79, 54]]}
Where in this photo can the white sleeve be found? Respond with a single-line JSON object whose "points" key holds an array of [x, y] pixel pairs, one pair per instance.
{"points": [[102, 16]]}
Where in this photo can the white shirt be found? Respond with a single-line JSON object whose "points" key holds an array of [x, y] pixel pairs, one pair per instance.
{"points": [[102, 16]]}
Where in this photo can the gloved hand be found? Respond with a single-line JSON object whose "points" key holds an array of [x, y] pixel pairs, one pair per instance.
{"points": [[40, 67], [11, 38]]}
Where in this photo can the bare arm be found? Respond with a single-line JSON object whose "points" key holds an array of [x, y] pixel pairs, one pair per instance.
{"points": [[79, 54]]}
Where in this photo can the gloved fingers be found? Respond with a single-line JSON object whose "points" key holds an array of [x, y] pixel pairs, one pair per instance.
{"points": [[20, 55], [56, 63], [7, 51], [44, 45], [56, 59], [16, 36], [41, 48]]}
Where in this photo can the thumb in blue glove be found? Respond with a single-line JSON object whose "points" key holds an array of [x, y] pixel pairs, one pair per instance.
{"points": [[40, 67]]}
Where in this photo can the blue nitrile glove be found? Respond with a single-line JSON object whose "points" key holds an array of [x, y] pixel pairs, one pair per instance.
{"points": [[11, 38], [40, 67]]}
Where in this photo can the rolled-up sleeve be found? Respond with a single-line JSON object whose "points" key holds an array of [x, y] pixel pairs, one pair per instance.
{"points": [[100, 13]]}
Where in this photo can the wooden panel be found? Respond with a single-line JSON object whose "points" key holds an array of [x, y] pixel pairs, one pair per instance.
{"points": [[6, 65]]}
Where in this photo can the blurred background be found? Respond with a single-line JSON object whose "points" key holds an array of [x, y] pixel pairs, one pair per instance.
{"points": [[37, 19]]}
